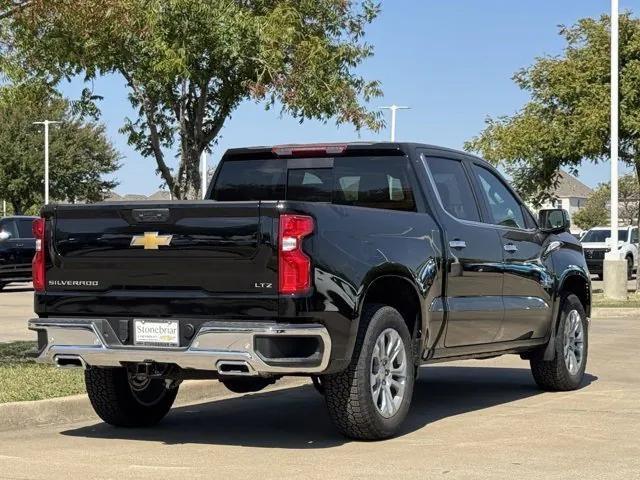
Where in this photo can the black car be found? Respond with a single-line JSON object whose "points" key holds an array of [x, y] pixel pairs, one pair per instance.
{"points": [[17, 247], [353, 264]]}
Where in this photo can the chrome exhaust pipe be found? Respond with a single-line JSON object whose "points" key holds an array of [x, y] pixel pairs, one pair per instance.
{"points": [[234, 367], [69, 361]]}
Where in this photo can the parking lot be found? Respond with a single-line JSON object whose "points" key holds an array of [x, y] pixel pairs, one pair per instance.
{"points": [[475, 419]]}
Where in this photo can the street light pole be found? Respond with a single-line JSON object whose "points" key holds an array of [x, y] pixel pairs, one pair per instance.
{"points": [[615, 269], [614, 129], [394, 108], [46, 124]]}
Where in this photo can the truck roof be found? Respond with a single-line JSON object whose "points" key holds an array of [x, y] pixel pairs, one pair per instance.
{"points": [[346, 148]]}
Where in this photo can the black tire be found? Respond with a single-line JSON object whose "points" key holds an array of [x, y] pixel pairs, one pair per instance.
{"points": [[2, 285], [117, 403], [600, 276], [629, 267], [348, 393], [554, 375]]}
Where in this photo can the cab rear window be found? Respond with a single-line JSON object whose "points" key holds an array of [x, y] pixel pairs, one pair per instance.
{"points": [[374, 182]]}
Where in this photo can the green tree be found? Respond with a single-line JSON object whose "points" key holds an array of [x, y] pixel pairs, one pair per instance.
{"points": [[189, 63], [80, 153], [566, 121], [596, 210]]}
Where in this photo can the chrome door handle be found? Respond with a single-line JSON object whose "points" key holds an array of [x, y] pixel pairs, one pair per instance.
{"points": [[511, 248], [457, 244]]}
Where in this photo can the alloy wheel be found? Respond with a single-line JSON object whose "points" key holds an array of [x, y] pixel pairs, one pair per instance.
{"points": [[388, 372], [573, 342]]}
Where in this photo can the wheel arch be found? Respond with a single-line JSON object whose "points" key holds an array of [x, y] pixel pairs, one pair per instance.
{"points": [[573, 281], [397, 289]]}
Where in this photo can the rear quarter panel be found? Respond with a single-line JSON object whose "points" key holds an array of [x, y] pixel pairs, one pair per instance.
{"points": [[353, 246]]}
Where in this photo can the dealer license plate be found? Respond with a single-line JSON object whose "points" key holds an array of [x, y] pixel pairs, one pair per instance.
{"points": [[158, 333]]}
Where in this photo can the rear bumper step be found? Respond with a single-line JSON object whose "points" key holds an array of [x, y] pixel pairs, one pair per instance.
{"points": [[230, 348]]}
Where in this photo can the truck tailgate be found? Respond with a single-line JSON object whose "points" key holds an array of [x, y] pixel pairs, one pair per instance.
{"points": [[204, 246]]}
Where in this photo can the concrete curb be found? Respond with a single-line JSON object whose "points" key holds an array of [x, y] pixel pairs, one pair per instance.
{"points": [[77, 408]]}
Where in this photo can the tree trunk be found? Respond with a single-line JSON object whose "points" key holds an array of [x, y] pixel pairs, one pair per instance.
{"points": [[17, 207]]}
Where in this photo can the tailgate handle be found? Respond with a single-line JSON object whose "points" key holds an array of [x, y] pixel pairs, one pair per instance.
{"points": [[151, 215]]}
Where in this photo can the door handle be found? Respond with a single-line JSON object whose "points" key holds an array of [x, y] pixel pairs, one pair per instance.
{"points": [[510, 247], [457, 243], [19, 244]]}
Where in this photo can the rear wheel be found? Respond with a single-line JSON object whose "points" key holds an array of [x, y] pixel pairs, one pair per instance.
{"points": [[566, 370], [2, 285], [629, 267], [371, 398], [125, 401]]}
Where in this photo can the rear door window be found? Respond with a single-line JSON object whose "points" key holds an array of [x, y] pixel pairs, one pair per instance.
{"points": [[454, 188], [373, 182]]}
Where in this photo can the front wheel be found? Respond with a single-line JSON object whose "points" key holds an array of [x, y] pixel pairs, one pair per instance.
{"points": [[123, 401], [629, 268], [371, 398], [566, 370]]}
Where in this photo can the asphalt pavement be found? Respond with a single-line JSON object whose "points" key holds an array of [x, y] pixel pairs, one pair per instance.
{"points": [[469, 420]]}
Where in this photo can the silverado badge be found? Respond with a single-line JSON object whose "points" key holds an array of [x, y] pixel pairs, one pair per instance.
{"points": [[151, 240]]}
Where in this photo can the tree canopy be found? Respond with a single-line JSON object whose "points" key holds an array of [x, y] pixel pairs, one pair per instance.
{"points": [[189, 63], [566, 121], [79, 151], [595, 212]]}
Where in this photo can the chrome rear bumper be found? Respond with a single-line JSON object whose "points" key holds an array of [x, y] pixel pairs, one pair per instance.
{"points": [[218, 346]]}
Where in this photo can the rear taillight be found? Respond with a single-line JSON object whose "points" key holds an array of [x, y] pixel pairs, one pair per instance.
{"points": [[38, 263], [294, 265]]}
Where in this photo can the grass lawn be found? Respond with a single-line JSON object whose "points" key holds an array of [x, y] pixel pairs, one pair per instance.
{"points": [[23, 379], [633, 301]]}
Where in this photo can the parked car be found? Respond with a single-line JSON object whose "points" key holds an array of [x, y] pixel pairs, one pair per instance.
{"points": [[17, 247], [353, 264], [595, 245]]}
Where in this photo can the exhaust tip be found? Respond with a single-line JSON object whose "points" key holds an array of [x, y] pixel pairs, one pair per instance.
{"points": [[234, 368], [69, 361]]}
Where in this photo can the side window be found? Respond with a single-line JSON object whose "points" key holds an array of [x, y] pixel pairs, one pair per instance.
{"points": [[634, 235], [24, 228], [503, 207], [310, 185], [10, 227], [454, 188], [374, 182]]}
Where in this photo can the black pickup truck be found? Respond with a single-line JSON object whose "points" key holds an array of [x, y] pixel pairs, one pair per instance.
{"points": [[353, 264]]}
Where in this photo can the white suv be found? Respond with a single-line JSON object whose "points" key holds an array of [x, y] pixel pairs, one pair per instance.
{"points": [[595, 244]]}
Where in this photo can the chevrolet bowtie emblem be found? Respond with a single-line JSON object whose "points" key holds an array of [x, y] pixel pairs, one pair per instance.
{"points": [[151, 240]]}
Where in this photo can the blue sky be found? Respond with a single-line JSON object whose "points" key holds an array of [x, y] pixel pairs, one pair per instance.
{"points": [[451, 61]]}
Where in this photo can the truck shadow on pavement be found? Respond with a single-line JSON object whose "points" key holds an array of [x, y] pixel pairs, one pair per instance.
{"points": [[297, 418]]}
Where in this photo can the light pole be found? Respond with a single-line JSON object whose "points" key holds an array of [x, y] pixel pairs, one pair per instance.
{"points": [[46, 124], [614, 129], [615, 268], [394, 108], [203, 164]]}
